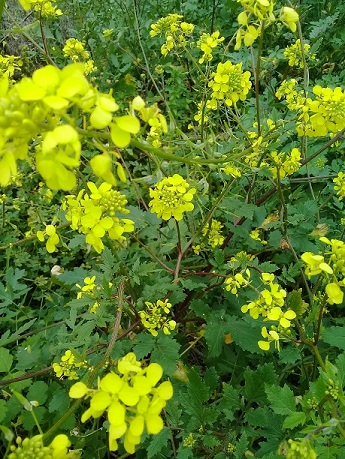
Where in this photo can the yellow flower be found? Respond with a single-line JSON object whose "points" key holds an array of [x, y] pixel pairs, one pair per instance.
{"points": [[315, 264], [334, 293], [171, 198], [155, 317], [289, 17], [53, 238], [131, 398]]}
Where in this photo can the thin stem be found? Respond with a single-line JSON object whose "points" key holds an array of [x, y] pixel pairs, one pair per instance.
{"points": [[98, 367], [180, 252], [152, 254]]}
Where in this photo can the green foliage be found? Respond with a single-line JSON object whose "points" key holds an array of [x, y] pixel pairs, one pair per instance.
{"points": [[217, 187]]}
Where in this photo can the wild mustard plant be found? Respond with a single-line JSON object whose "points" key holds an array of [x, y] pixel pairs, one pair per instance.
{"points": [[53, 238], [45, 8], [155, 317], [206, 43], [176, 32], [38, 107], [9, 65], [332, 272], [131, 398], [213, 233], [67, 366], [75, 50], [171, 198], [33, 448], [339, 187], [97, 214], [293, 54]]}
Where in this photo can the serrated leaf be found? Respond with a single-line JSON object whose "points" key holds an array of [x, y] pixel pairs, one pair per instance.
{"points": [[166, 353], [214, 335], [255, 381], [230, 402], [334, 336], [6, 360], [59, 402], [158, 442], [289, 354], [145, 345], [75, 276], [295, 302], [245, 333], [282, 399], [38, 392], [294, 419]]}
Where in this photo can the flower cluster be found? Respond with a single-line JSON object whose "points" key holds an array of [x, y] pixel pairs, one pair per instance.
{"points": [[300, 449], [262, 10], [32, 448], [96, 215], [269, 305], [175, 31], [154, 118], [35, 109], [75, 50], [90, 289], [67, 365], [229, 84], [256, 236], [9, 65], [131, 398], [339, 187], [333, 271], [213, 234], [171, 198], [233, 283], [324, 114], [294, 54], [155, 317], [285, 163], [44, 7], [53, 238], [206, 43]]}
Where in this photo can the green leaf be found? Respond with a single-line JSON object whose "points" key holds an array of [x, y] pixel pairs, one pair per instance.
{"points": [[59, 402], [294, 419], [38, 392], [9, 338], [214, 335], [145, 345], [166, 353], [3, 410], [158, 442], [282, 399], [246, 333], [8, 434], [230, 401], [255, 381], [295, 302], [334, 336], [6, 360], [340, 364]]}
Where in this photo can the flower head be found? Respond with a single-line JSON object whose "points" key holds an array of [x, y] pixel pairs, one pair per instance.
{"points": [[171, 198]]}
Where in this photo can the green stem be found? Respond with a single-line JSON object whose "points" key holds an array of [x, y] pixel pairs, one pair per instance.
{"points": [[98, 367]]}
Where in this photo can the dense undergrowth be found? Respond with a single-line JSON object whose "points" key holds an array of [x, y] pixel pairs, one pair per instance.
{"points": [[171, 229]]}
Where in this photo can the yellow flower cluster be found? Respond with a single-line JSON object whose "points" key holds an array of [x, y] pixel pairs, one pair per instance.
{"points": [[324, 114], [262, 10], [9, 65], [285, 164], [155, 317], [44, 7], [53, 238], [89, 289], [75, 50], [229, 84], [154, 118], [96, 215], [300, 449], [256, 236], [294, 54], [339, 187], [67, 365], [33, 448], [171, 198], [233, 283], [213, 234], [175, 31], [131, 398], [333, 271], [35, 109], [269, 305], [206, 43]]}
